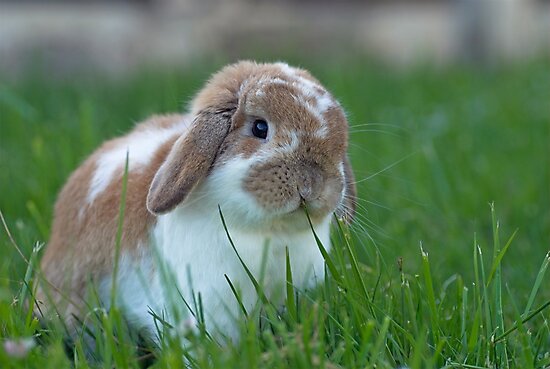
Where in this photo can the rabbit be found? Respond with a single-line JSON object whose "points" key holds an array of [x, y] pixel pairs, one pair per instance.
{"points": [[261, 142]]}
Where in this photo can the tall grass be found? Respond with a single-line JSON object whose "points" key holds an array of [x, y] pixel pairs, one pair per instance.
{"points": [[429, 276]]}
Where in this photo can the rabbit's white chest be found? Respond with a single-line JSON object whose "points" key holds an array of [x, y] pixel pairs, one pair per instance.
{"points": [[191, 256]]}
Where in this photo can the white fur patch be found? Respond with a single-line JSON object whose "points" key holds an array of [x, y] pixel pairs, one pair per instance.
{"points": [[341, 169], [311, 90], [343, 175], [263, 82], [293, 144], [259, 93], [231, 175], [324, 103], [140, 147], [278, 81], [286, 69], [243, 85], [322, 132]]}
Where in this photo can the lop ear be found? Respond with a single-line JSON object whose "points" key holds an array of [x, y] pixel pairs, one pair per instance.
{"points": [[346, 210], [189, 160]]}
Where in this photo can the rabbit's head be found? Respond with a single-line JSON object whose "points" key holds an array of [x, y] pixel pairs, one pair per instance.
{"points": [[267, 141]]}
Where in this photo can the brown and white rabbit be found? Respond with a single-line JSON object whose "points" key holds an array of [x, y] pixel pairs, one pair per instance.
{"points": [[261, 142]]}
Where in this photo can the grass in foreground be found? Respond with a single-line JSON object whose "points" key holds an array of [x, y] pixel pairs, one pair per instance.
{"points": [[437, 147], [344, 323]]}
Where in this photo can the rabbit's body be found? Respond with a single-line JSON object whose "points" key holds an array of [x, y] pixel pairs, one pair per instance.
{"points": [[261, 141]]}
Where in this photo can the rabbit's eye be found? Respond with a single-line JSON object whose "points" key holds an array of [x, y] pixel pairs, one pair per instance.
{"points": [[259, 128]]}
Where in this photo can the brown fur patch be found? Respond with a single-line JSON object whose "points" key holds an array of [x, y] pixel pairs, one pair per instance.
{"points": [[82, 241]]}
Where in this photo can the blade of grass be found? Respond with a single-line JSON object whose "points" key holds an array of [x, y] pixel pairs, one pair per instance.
{"points": [[324, 252], [12, 240], [498, 259], [500, 347], [524, 339], [377, 347], [355, 268], [463, 316], [434, 316], [29, 273], [473, 340], [237, 296], [523, 321], [257, 286], [485, 298], [465, 366], [537, 284], [290, 301]]}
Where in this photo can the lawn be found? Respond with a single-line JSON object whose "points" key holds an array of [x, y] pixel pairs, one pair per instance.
{"points": [[444, 266]]}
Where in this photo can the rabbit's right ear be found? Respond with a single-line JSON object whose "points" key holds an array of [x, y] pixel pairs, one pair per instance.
{"points": [[189, 160]]}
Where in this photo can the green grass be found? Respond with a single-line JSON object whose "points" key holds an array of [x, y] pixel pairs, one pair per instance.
{"points": [[430, 275]]}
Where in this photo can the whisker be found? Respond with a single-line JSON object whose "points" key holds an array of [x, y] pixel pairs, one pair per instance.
{"points": [[363, 221], [387, 167], [396, 126], [353, 131], [373, 203], [398, 195], [361, 148], [366, 222], [201, 196], [364, 232]]}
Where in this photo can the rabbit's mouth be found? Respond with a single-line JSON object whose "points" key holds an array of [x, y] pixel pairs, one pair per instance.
{"points": [[304, 212], [297, 220]]}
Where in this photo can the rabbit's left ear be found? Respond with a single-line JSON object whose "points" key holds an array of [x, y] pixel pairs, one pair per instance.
{"points": [[346, 209], [189, 160]]}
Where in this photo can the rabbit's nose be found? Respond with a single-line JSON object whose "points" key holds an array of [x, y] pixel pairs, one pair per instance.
{"points": [[305, 192], [310, 186]]}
